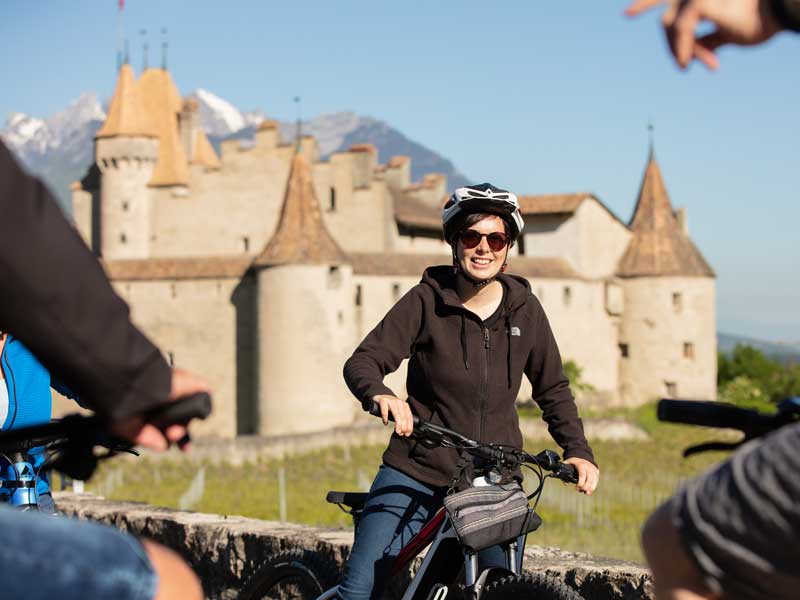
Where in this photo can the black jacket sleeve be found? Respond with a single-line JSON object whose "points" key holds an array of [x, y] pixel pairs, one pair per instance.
{"points": [[384, 348], [55, 297]]}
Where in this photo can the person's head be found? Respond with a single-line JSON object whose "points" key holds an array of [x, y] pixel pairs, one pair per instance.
{"points": [[481, 223]]}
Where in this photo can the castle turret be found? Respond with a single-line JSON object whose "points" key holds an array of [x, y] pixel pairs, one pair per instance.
{"points": [[305, 317], [667, 338], [126, 148], [163, 104]]}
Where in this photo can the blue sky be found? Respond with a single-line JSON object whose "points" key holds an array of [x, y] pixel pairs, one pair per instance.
{"points": [[538, 97]]}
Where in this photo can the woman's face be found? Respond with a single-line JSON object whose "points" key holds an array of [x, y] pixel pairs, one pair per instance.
{"points": [[481, 262]]}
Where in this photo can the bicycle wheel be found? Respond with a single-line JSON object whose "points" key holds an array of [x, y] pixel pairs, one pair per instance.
{"points": [[294, 575], [532, 586]]}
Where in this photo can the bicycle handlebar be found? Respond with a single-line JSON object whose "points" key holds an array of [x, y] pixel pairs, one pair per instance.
{"points": [[92, 429], [510, 457], [720, 415]]}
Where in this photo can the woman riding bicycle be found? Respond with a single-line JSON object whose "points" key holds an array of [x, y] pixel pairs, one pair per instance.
{"points": [[470, 332], [25, 400]]}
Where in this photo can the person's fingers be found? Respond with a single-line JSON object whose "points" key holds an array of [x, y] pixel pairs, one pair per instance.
{"points": [[706, 56], [186, 383], [384, 403], [150, 437], [637, 7], [668, 24], [686, 21]]}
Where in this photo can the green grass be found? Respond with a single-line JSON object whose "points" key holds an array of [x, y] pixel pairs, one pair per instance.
{"points": [[635, 477]]}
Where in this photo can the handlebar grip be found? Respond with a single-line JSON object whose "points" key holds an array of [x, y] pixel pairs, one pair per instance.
{"points": [[708, 414], [568, 473], [180, 412]]}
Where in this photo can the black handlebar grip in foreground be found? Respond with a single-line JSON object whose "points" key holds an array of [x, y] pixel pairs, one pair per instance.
{"points": [[708, 414], [180, 412]]}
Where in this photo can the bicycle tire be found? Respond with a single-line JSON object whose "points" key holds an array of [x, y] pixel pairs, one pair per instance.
{"points": [[531, 586], [293, 575]]}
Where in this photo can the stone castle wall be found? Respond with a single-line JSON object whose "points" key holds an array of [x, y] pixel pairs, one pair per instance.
{"points": [[670, 333]]}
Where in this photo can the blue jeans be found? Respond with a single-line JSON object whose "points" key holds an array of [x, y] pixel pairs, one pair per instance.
{"points": [[44, 557], [397, 508]]}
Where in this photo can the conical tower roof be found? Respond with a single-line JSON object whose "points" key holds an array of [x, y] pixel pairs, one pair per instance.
{"points": [[162, 101], [126, 113], [301, 236], [659, 247]]}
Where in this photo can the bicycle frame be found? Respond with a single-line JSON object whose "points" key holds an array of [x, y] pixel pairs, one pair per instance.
{"points": [[443, 562]]}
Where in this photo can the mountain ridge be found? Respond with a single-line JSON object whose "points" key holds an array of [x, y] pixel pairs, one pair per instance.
{"points": [[60, 148]]}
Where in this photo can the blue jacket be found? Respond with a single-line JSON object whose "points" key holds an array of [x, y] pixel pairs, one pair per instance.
{"points": [[29, 400]]}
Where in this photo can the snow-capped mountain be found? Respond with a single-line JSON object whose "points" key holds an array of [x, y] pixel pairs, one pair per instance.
{"points": [[60, 148]]}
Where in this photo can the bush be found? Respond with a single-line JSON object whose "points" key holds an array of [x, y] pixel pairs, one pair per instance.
{"points": [[777, 380], [574, 374], [746, 393]]}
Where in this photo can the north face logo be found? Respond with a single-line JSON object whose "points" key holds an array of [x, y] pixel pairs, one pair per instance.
{"points": [[515, 331]]}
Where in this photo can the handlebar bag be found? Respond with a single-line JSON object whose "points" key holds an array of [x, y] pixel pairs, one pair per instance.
{"points": [[488, 515]]}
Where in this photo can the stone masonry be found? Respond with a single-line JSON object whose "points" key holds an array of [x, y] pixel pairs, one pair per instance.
{"points": [[225, 550]]}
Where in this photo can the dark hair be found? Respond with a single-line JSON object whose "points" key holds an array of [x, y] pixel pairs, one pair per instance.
{"points": [[469, 220]]}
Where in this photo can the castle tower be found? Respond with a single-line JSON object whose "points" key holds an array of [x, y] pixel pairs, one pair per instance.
{"points": [[668, 343], [305, 317], [126, 148], [164, 105]]}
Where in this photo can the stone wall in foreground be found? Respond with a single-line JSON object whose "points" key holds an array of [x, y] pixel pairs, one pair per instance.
{"points": [[224, 550]]}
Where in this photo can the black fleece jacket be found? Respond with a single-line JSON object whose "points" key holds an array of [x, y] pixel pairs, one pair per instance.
{"points": [[55, 297], [464, 374]]}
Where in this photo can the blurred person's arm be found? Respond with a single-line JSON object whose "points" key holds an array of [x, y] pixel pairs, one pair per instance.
{"points": [[738, 22], [56, 298]]}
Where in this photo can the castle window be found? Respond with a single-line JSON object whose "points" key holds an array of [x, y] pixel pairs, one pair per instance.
{"points": [[123, 238], [567, 295], [677, 301], [246, 244], [671, 389], [332, 201], [173, 291], [358, 295], [623, 350], [171, 359], [125, 206], [521, 245], [334, 276], [688, 350], [395, 291]]}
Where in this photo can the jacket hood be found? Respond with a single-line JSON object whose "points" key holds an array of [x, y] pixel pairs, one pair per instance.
{"points": [[443, 281]]}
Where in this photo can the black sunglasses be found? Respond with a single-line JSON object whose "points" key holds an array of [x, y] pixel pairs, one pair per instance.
{"points": [[471, 238]]}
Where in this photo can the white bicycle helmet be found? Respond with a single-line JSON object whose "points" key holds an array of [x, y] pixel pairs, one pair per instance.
{"points": [[481, 198]]}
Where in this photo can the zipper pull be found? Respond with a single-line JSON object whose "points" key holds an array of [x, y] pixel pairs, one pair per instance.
{"points": [[486, 337]]}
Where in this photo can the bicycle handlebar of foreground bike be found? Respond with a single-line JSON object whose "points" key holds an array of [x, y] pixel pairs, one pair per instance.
{"points": [[510, 457], [727, 416], [92, 429]]}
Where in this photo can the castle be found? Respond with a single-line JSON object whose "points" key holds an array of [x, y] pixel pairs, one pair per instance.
{"points": [[262, 268]]}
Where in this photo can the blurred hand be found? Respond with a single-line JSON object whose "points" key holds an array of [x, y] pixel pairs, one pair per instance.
{"points": [[740, 22], [136, 430], [399, 409], [588, 475]]}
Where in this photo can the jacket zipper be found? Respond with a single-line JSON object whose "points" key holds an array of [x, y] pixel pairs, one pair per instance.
{"points": [[485, 382]]}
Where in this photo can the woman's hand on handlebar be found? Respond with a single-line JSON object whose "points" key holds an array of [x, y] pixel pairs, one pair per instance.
{"points": [[141, 433], [400, 412], [588, 474]]}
